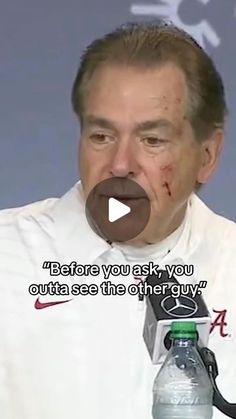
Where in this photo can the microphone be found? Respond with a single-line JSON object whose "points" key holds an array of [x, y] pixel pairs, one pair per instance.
{"points": [[163, 309]]}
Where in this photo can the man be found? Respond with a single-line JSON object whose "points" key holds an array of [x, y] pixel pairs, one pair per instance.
{"points": [[152, 110]]}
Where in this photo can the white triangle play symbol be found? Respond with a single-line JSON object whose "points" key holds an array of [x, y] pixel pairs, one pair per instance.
{"points": [[116, 210]]}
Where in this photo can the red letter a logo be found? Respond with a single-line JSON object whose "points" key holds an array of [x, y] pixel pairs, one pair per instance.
{"points": [[219, 322]]}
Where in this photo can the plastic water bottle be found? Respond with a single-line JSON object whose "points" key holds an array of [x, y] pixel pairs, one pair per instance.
{"points": [[182, 388]]}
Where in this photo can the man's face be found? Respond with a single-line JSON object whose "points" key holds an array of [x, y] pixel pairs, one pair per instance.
{"points": [[134, 125]]}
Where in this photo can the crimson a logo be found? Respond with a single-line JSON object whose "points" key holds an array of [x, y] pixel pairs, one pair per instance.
{"points": [[220, 323]]}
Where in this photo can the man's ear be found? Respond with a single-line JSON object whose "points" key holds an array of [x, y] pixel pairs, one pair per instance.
{"points": [[210, 154]]}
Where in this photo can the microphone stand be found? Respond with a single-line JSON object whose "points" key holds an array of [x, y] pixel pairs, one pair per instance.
{"points": [[209, 360]]}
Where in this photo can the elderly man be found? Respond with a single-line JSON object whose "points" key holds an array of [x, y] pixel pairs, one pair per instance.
{"points": [[151, 108]]}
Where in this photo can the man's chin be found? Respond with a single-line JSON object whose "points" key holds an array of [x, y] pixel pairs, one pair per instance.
{"points": [[141, 239], [150, 235]]}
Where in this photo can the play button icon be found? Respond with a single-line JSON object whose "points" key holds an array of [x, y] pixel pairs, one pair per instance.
{"points": [[118, 209]]}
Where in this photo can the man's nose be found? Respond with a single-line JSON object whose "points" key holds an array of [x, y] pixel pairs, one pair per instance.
{"points": [[124, 161]]}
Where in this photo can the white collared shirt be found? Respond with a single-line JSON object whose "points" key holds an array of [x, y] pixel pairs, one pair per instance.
{"points": [[86, 358]]}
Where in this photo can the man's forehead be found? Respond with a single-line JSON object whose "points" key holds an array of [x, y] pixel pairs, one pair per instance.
{"points": [[162, 87], [159, 76]]}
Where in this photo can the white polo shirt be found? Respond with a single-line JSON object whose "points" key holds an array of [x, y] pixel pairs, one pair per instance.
{"points": [[86, 358]]}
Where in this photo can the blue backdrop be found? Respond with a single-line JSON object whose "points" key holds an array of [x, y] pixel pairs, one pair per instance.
{"points": [[40, 45]]}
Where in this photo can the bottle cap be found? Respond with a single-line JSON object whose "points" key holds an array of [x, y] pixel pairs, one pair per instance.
{"points": [[187, 329]]}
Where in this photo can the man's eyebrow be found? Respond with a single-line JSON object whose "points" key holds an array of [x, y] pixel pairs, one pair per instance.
{"points": [[154, 123], [98, 121], [141, 126]]}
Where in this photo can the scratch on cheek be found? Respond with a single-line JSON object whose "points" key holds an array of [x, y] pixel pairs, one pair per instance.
{"points": [[167, 168], [167, 186], [167, 171]]}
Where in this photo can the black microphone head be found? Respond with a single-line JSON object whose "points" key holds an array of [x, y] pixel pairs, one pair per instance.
{"points": [[166, 303]]}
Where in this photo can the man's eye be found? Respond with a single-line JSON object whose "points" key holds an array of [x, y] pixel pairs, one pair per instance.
{"points": [[153, 141], [100, 138]]}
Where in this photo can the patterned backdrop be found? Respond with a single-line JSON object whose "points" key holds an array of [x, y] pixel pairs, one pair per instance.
{"points": [[40, 45]]}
